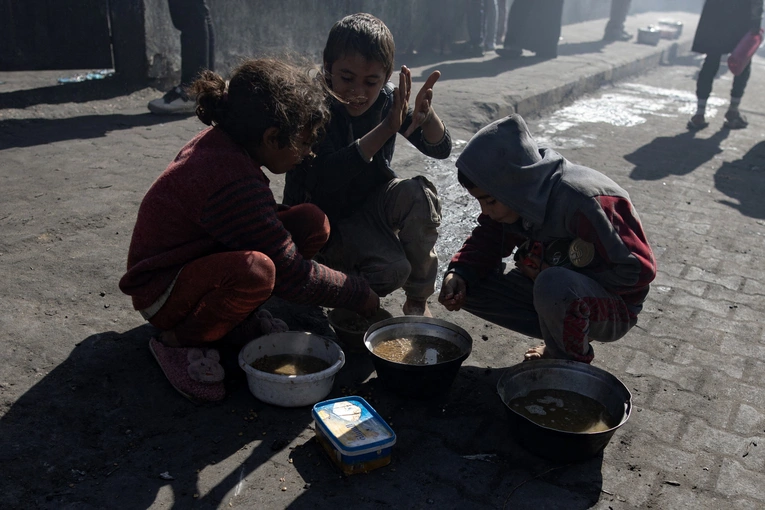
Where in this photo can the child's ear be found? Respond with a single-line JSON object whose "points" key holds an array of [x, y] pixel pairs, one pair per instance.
{"points": [[271, 138]]}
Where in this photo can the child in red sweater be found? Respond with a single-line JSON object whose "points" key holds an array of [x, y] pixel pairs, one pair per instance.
{"points": [[210, 244]]}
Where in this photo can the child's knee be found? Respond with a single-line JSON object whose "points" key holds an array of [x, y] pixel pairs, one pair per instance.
{"points": [[551, 291], [258, 269], [384, 279]]}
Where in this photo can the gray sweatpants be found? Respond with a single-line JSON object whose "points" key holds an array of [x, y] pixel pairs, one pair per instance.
{"points": [[391, 240], [564, 308]]}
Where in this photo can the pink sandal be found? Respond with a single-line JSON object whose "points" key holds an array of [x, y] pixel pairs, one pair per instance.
{"points": [[195, 373]]}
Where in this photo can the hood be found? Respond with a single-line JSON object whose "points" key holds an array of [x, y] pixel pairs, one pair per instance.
{"points": [[505, 161]]}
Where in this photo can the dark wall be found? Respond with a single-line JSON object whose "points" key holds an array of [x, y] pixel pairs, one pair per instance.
{"points": [[54, 34]]}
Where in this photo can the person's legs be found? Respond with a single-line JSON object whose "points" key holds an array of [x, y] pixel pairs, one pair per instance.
{"points": [[214, 294], [411, 208], [501, 21], [615, 26], [192, 18], [733, 118], [506, 300], [704, 89], [517, 17], [573, 310], [490, 24]]}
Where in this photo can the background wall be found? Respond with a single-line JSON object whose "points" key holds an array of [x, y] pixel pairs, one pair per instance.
{"points": [[245, 28]]}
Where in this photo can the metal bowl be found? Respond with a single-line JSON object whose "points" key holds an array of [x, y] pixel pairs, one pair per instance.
{"points": [[417, 381], [343, 321], [592, 382]]}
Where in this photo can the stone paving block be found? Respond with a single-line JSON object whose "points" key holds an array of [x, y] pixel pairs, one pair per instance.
{"points": [[716, 409], [754, 286], [737, 481], [676, 375], [672, 268], [681, 298], [710, 252], [746, 330], [625, 487], [693, 287], [749, 420], [688, 354], [653, 345], [705, 274], [754, 371], [748, 345], [688, 498], [753, 303], [742, 265], [721, 386], [749, 450], [669, 321], [663, 425]]}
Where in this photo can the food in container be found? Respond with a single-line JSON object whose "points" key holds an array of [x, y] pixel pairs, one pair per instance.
{"points": [[355, 437]]}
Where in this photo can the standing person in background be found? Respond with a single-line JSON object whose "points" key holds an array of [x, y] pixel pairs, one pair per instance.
{"points": [[722, 25], [501, 21], [475, 17], [490, 24], [533, 25], [192, 18], [615, 26]]}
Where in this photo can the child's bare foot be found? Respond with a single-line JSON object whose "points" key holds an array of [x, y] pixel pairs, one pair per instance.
{"points": [[416, 307], [535, 353]]}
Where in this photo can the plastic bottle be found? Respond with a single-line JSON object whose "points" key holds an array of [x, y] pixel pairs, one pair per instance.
{"points": [[745, 49]]}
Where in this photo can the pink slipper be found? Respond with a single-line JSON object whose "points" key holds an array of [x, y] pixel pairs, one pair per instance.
{"points": [[195, 373]]}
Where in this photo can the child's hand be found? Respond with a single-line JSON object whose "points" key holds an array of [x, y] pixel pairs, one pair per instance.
{"points": [[371, 305], [531, 265], [453, 292], [398, 112], [422, 110]]}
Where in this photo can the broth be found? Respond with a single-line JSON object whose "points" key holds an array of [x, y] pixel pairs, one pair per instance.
{"points": [[417, 350], [290, 364], [563, 410]]}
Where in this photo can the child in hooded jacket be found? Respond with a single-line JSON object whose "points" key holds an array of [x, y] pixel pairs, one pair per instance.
{"points": [[383, 227], [210, 244], [583, 264]]}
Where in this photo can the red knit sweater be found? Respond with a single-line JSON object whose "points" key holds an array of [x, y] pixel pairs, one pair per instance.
{"points": [[213, 198]]}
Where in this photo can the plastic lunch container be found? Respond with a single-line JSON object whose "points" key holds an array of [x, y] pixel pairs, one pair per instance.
{"points": [[354, 436]]}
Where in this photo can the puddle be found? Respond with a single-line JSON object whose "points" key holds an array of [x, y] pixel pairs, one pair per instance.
{"points": [[627, 105]]}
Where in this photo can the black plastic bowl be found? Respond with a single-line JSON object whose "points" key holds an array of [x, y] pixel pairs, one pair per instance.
{"points": [[417, 381], [557, 445]]}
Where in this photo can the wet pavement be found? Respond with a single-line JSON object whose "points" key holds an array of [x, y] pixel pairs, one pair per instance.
{"points": [[88, 420]]}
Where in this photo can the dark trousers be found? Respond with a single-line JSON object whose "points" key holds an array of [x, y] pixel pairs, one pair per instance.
{"points": [[192, 18], [475, 21], [619, 10], [708, 73], [215, 293]]}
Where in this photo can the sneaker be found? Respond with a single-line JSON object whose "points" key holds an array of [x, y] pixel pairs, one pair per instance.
{"points": [[175, 101], [622, 35]]}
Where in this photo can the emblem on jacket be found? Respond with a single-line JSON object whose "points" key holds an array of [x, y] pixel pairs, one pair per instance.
{"points": [[580, 252]]}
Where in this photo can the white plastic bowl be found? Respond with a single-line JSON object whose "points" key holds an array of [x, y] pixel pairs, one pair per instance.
{"points": [[291, 390]]}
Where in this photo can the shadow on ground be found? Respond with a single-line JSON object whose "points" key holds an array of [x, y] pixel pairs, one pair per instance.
{"points": [[100, 429], [81, 92], [674, 155], [32, 132], [742, 181]]}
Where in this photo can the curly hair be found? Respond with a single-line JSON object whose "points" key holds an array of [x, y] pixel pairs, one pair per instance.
{"points": [[363, 34], [260, 94]]}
